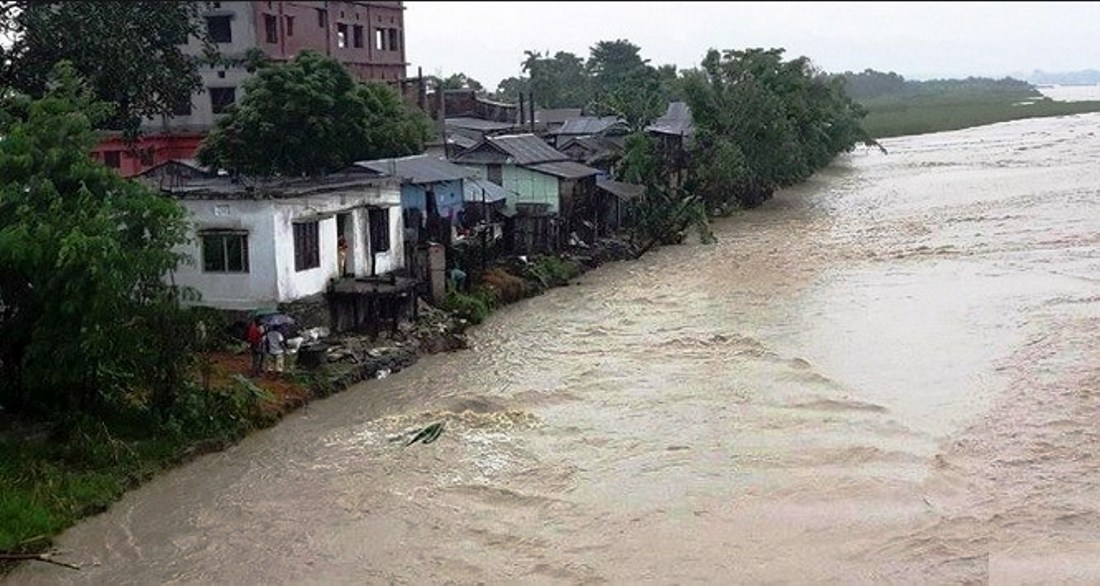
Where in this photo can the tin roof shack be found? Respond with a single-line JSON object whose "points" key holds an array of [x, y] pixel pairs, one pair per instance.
{"points": [[676, 132], [544, 180], [551, 120], [582, 126], [599, 152], [433, 201], [617, 203], [260, 243]]}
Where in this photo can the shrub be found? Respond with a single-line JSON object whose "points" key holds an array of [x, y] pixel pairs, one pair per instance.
{"points": [[507, 287]]}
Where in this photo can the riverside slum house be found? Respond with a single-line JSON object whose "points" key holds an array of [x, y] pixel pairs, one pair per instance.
{"points": [[434, 204], [329, 249], [676, 132], [598, 142], [555, 198], [552, 119]]}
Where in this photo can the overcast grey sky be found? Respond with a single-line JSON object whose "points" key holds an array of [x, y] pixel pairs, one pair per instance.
{"points": [[918, 40]]}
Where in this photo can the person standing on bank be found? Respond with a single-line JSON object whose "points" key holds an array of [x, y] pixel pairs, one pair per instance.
{"points": [[275, 349], [255, 338]]}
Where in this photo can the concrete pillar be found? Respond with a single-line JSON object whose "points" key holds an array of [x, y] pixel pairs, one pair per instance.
{"points": [[437, 271]]}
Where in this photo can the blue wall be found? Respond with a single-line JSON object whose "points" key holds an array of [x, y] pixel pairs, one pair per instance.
{"points": [[448, 197]]}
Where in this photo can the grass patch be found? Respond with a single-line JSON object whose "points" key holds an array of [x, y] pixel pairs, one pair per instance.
{"points": [[891, 116], [474, 307], [551, 271]]}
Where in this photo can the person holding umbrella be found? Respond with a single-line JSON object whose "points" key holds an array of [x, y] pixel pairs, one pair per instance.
{"points": [[255, 337], [275, 348]]}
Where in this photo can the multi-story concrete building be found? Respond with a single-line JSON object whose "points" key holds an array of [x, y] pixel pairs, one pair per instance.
{"points": [[368, 37]]}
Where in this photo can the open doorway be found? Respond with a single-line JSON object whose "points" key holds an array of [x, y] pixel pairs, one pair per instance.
{"points": [[343, 237]]}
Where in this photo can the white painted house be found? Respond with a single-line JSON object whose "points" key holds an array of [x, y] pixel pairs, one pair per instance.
{"points": [[258, 244]]}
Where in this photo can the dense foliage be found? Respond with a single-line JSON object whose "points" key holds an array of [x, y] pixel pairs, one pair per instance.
{"points": [[86, 314], [127, 51], [310, 116], [763, 123]]}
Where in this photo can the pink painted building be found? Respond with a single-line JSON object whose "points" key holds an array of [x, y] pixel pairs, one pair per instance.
{"points": [[368, 37]]}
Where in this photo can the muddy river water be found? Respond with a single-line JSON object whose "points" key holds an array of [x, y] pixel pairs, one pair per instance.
{"points": [[887, 374]]}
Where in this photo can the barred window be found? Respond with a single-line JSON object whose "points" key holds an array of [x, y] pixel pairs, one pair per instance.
{"points": [[307, 246], [224, 252], [379, 219]]}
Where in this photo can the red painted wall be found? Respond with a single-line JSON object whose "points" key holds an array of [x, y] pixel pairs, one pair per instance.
{"points": [[156, 149]]}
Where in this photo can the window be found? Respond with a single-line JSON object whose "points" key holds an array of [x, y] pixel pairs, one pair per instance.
{"points": [[379, 219], [221, 75], [219, 29], [112, 159], [307, 246], [357, 36], [221, 98], [322, 18], [290, 26], [393, 39], [271, 28], [494, 174], [224, 252], [341, 35], [379, 39]]}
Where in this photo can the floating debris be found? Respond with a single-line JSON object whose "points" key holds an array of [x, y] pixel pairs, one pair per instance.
{"points": [[427, 435]]}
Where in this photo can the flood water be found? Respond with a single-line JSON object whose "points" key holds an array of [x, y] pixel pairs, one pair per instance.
{"points": [[887, 374]]}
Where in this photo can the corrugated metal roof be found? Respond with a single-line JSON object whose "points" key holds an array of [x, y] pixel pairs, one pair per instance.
{"points": [[418, 169], [526, 149], [677, 120], [587, 124], [474, 189], [622, 190], [476, 124], [556, 115], [565, 169], [461, 140]]}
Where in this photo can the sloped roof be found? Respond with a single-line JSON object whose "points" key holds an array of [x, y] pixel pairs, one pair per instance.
{"points": [[565, 169], [188, 164], [470, 123], [677, 121], [592, 144], [476, 189], [526, 149], [556, 115], [622, 190], [587, 124], [418, 169]]}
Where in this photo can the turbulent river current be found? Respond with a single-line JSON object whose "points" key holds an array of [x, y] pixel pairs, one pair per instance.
{"points": [[889, 373]]}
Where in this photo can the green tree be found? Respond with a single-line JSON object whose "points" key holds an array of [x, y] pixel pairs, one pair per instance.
{"points": [[557, 82], [86, 313], [612, 63], [308, 117], [460, 81], [765, 123], [127, 50], [663, 212], [637, 99], [509, 89]]}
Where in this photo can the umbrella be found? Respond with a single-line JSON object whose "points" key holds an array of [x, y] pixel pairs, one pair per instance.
{"points": [[276, 320]]}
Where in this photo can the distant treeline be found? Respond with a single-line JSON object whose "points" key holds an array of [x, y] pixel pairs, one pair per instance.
{"points": [[870, 84]]}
